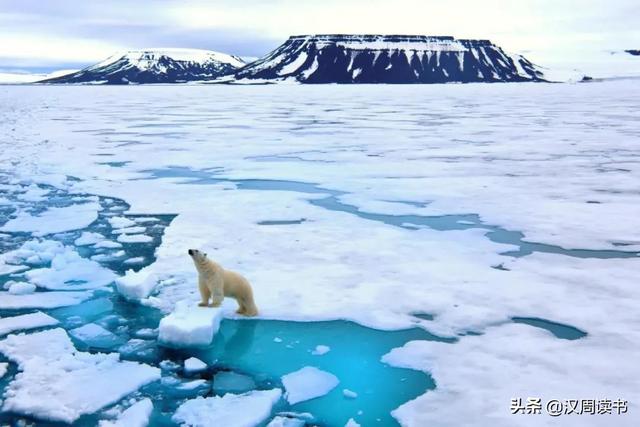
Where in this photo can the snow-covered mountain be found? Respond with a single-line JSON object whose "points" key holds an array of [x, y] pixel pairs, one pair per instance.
{"points": [[26, 77], [390, 59], [156, 66]]}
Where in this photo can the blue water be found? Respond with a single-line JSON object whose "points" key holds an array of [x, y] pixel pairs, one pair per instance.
{"points": [[260, 351], [411, 222], [268, 350], [560, 330]]}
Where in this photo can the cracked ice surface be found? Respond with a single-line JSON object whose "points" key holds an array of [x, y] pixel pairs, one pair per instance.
{"points": [[559, 163], [54, 378]]}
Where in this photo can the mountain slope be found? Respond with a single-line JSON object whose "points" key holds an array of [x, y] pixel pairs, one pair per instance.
{"points": [[390, 59], [155, 66]]}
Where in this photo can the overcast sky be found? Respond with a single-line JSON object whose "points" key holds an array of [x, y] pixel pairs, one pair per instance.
{"points": [[52, 34]]}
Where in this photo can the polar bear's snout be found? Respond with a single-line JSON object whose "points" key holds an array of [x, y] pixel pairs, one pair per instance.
{"points": [[190, 252]]}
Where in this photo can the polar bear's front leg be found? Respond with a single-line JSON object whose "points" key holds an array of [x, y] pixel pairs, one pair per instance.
{"points": [[217, 290], [205, 293]]}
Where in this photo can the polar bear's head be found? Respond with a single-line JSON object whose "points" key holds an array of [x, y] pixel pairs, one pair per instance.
{"points": [[198, 256]]}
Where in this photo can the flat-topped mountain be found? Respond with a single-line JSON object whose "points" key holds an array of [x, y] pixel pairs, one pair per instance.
{"points": [[339, 58]]}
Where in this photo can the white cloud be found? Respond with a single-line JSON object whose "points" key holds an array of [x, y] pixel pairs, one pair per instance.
{"points": [[74, 31]]}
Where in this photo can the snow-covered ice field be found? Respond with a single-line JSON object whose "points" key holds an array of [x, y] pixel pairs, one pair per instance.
{"points": [[477, 243]]}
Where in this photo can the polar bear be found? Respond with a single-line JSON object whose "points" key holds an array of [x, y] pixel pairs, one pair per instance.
{"points": [[216, 283]]}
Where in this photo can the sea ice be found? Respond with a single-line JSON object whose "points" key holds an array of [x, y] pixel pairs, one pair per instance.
{"points": [[351, 423], [136, 285], [193, 365], [94, 335], [308, 383], [121, 222], [129, 230], [42, 299], [134, 238], [349, 394], [25, 321], [190, 325], [107, 244], [320, 350], [231, 410], [69, 271], [281, 421], [54, 220], [134, 260], [88, 238], [59, 383], [21, 288], [4, 366], [137, 415]]}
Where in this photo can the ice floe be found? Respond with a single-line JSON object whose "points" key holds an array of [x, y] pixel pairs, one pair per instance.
{"points": [[231, 410], [193, 365], [320, 350], [71, 271], [21, 288], [25, 321], [53, 381], [308, 383], [88, 238], [93, 335], [43, 299], [137, 415], [54, 220], [190, 325]]}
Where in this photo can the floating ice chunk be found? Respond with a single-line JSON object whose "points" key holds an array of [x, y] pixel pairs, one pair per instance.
{"points": [[120, 222], [137, 415], [320, 350], [277, 339], [190, 325], [94, 335], [25, 321], [138, 349], [59, 383], [88, 238], [134, 261], [231, 382], [146, 333], [129, 230], [4, 366], [349, 394], [231, 410], [42, 299], [308, 383], [134, 238], [193, 365], [10, 269], [70, 271], [107, 244], [191, 385], [145, 219], [22, 288], [351, 423], [136, 285], [168, 365], [54, 220], [86, 312], [280, 421], [33, 194], [35, 252], [108, 256]]}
